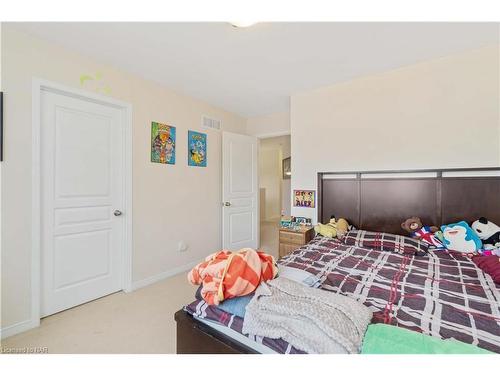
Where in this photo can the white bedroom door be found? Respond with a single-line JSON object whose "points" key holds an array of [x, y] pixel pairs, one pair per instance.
{"points": [[239, 192], [82, 198]]}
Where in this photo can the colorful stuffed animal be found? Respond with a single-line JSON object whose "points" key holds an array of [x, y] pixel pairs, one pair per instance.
{"points": [[460, 237], [335, 228], [417, 230], [488, 232]]}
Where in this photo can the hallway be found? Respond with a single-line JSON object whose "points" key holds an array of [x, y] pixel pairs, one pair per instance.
{"points": [[269, 237]]}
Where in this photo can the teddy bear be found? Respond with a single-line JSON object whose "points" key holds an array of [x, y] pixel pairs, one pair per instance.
{"points": [[342, 228], [335, 228], [417, 230], [488, 232]]}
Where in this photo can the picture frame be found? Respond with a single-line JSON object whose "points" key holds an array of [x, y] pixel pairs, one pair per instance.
{"points": [[304, 198], [300, 220], [163, 143], [197, 149]]}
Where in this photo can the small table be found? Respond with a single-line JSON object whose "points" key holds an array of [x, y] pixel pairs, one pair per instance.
{"points": [[291, 239]]}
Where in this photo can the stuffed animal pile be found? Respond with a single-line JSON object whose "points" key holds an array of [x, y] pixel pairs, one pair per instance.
{"points": [[335, 228], [483, 237]]}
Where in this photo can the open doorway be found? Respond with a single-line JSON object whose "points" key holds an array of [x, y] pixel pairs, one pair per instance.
{"points": [[274, 189]]}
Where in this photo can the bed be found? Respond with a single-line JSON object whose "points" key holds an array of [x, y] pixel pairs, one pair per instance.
{"points": [[442, 294]]}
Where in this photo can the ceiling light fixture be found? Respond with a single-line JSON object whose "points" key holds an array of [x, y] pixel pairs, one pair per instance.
{"points": [[241, 24]]}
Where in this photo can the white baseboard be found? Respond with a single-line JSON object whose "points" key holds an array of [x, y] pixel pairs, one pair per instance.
{"points": [[16, 328], [164, 275]]}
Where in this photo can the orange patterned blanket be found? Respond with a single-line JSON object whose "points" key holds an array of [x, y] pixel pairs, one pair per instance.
{"points": [[227, 274]]}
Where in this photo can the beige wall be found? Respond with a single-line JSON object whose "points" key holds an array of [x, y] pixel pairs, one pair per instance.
{"points": [[171, 203], [275, 124], [442, 113]]}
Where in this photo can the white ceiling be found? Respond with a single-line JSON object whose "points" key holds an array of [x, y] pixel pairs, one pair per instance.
{"points": [[253, 71]]}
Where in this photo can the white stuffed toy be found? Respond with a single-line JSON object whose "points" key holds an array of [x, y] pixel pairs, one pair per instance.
{"points": [[488, 232]]}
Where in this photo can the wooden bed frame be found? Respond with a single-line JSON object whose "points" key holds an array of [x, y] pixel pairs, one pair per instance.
{"points": [[381, 201], [194, 337]]}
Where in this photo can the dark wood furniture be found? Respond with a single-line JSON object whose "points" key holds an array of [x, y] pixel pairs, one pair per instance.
{"points": [[376, 201], [194, 337], [381, 201], [291, 239]]}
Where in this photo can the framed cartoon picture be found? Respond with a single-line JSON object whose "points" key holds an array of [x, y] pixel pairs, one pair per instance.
{"points": [[304, 198], [197, 149], [162, 143]]}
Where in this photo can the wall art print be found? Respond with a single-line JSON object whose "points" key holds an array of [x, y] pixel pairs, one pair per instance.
{"points": [[162, 143], [304, 198], [197, 149]]}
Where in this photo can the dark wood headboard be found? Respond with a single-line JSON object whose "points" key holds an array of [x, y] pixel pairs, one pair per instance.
{"points": [[382, 200]]}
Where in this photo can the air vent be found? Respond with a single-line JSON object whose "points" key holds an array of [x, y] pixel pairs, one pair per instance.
{"points": [[211, 123]]}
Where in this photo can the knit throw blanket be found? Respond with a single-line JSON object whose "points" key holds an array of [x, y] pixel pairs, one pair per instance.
{"points": [[312, 320]]}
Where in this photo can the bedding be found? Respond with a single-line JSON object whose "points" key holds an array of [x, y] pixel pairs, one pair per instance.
{"points": [[387, 339], [226, 274], [386, 242], [443, 294], [203, 311], [490, 264], [311, 319], [235, 306]]}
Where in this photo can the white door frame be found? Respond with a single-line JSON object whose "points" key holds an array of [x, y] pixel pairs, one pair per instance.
{"points": [[38, 86]]}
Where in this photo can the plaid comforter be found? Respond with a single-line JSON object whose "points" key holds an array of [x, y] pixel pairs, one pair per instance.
{"points": [[442, 294], [203, 310]]}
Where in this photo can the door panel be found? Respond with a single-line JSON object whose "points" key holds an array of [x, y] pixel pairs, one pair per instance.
{"points": [[83, 158], [82, 176], [81, 257], [240, 191], [242, 158], [241, 225], [81, 215]]}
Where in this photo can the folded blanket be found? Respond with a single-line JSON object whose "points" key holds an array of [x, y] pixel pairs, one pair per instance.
{"points": [[300, 276], [310, 319], [387, 339], [227, 274]]}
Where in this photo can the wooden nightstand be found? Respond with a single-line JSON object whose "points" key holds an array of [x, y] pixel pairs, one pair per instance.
{"points": [[293, 239]]}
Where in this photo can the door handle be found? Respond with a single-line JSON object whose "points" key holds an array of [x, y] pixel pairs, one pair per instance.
{"points": [[117, 213], [227, 204]]}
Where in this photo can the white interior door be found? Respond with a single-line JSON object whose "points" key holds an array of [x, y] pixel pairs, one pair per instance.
{"points": [[239, 191], [82, 196]]}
